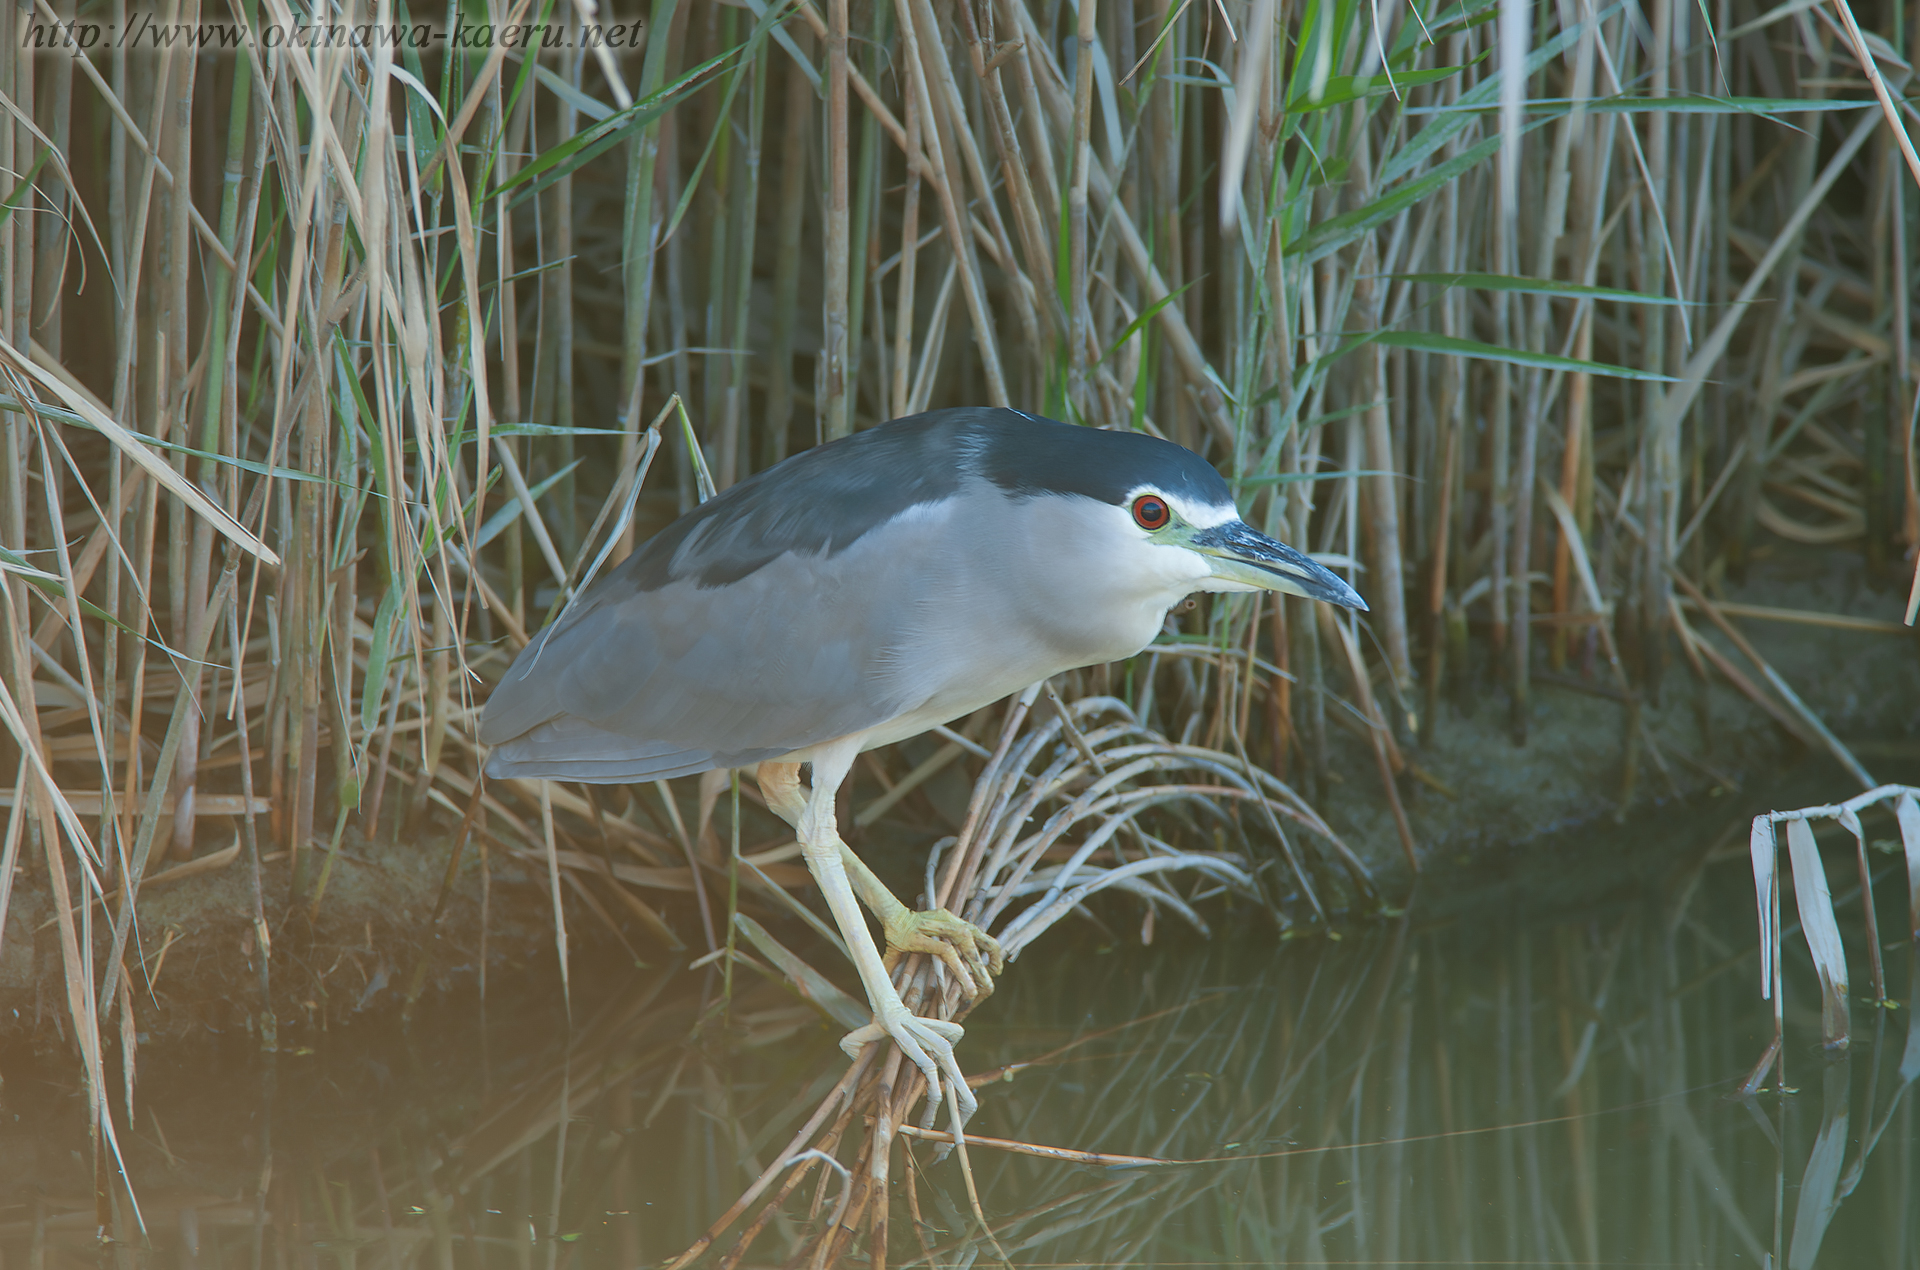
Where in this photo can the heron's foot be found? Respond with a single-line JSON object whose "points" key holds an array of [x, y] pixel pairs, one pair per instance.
{"points": [[928, 1045], [970, 953]]}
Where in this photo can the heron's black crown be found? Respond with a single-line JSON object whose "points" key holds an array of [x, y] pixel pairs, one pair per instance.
{"points": [[822, 500], [1025, 456]]}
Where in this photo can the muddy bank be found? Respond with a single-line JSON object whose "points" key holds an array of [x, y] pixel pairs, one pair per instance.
{"points": [[1588, 762], [1493, 822], [199, 968]]}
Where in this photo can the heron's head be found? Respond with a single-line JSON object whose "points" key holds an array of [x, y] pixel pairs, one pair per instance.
{"points": [[1149, 514], [1227, 553]]}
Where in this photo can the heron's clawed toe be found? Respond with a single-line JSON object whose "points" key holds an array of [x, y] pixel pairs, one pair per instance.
{"points": [[927, 1044], [970, 953]]}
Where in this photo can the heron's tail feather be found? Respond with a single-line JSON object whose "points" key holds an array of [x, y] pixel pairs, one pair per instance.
{"points": [[569, 748]]}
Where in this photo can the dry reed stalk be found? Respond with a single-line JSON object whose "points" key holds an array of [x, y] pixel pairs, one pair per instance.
{"points": [[1039, 284], [833, 406], [909, 260], [922, 45], [1079, 315]]}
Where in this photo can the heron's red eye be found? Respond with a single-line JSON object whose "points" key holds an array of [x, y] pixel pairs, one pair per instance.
{"points": [[1151, 513]]}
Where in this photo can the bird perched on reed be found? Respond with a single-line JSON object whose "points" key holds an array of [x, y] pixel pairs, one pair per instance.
{"points": [[858, 594]]}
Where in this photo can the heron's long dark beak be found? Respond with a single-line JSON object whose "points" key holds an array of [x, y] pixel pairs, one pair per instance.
{"points": [[1241, 554]]}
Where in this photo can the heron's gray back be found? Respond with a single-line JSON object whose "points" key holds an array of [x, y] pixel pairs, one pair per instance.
{"points": [[653, 684], [776, 618]]}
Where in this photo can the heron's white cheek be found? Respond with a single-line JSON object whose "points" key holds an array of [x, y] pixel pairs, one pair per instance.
{"points": [[1073, 581], [1121, 596], [1173, 573]]}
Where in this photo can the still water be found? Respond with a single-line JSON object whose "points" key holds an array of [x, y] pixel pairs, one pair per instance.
{"points": [[1446, 1089]]}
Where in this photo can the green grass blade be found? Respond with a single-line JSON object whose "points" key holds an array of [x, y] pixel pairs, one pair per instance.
{"points": [[1139, 323], [1428, 342], [1342, 89], [1331, 235], [1484, 95], [513, 509], [583, 147], [1534, 286], [1554, 107]]}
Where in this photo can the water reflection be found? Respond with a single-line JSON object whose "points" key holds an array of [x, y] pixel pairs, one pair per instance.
{"points": [[1490, 1091]]}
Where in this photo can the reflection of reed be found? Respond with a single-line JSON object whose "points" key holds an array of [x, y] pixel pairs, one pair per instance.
{"points": [[1476, 1093], [1445, 1112], [625, 1042], [1552, 1093]]}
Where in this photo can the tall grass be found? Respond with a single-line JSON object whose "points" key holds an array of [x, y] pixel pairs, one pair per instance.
{"points": [[325, 364]]}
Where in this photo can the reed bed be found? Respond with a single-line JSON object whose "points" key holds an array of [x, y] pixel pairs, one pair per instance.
{"points": [[331, 363]]}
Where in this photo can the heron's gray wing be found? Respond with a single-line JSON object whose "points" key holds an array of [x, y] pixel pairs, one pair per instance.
{"points": [[819, 502], [642, 685], [767, 620]]}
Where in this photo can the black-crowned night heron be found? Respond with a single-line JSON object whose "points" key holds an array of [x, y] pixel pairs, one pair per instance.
{"points": [[858, 594]]}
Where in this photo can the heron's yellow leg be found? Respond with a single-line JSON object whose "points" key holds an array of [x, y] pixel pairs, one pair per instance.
{"points": [[780, 786], [972, 955], [927, 1043]]}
